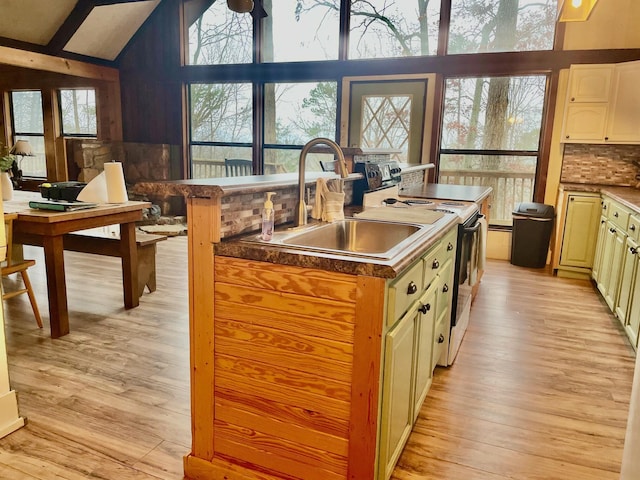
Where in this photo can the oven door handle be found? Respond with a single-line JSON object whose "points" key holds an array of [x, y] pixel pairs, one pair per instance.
{"points": [[475, 227]]}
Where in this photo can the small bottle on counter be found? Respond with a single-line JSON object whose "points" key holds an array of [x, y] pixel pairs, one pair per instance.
{"points": [[267, 218]]}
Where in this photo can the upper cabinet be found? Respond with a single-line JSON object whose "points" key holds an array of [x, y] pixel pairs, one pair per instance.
{"points": [[603, 104], [590, 83], [623, 121]]}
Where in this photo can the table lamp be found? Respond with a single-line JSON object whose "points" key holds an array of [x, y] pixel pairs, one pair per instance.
{"points": [[22, 148]]}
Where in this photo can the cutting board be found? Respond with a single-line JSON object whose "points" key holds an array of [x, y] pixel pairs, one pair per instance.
{"points": [[401, 214]]}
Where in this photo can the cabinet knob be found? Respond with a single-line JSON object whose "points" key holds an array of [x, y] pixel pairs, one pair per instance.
{"points": [[425, 308], [567, 136], [445, 288], [435, 264], [573, 99], [615, 214], [632, 251], [612, 230], [412, 288], [441, 339], [601, 222], [449, 247], [606, 138], [604, 207], [632, 228]]}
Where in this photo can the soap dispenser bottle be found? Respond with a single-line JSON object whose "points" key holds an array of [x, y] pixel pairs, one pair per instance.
{"points": [[267, 218]]}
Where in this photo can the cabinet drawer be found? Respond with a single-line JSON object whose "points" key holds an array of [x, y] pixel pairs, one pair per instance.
{"points": [[618, 215], [633, 230], [403, 292], [433, 262]]}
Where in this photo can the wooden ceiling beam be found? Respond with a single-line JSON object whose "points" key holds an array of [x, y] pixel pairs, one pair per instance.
{"points": [[48, 63], [78, 15]]}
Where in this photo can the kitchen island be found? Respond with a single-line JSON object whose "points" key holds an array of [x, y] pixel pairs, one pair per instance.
{"points": [[288, 348]]}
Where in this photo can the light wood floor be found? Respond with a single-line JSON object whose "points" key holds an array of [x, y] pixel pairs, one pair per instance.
{"points": [[539, 390]]}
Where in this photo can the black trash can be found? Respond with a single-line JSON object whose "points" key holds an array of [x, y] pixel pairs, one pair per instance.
{"points": [[532, 227]]}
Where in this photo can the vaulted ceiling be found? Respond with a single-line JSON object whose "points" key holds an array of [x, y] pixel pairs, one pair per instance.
{"points": [[93, 30]]}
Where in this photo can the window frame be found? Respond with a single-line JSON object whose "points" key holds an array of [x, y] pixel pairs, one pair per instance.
{"points": [[17, 135], [60, 119], [440, 65]]}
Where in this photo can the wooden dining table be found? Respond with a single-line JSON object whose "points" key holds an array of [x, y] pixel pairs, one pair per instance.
{"points": [[47, 228]]}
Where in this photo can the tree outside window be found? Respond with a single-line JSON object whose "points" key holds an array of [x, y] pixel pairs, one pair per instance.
{"points": [[78, 112], [28, 124]]}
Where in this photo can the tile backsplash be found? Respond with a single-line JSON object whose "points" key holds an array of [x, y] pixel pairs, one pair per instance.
{"points": [[600, 164]]}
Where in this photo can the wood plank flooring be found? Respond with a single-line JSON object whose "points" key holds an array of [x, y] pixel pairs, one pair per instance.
{"points": [[540, 388]]}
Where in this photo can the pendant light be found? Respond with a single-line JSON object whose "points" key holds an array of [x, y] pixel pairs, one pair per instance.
{"points": [[576, 10], [240, 6]]}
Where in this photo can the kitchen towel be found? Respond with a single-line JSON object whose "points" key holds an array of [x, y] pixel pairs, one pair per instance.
{"points": [[482, 242], [116, 188], [328, 205], [95, 191]]}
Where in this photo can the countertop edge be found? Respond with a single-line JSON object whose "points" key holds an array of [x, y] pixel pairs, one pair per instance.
{"points": [[627, 196], [234, 247]]}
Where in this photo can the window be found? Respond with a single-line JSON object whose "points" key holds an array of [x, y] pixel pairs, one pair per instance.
{"points": [[26, 109], [294, 114], [290, 58], [383, 29], [220, 37], [221, 126], [78, 112], [501, 25], [301, 31], [491, 136]]}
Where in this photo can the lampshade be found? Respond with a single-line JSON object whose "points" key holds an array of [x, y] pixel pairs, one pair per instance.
{"points": [[240, 6], [575, 10], [23, 148]]}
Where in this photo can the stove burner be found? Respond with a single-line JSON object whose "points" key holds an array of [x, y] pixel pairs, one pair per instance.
{"points": [[419, 202], [443, 210]]}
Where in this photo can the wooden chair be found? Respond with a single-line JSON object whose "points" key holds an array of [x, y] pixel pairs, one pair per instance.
{"points": [[238, 167], [12, 265]]}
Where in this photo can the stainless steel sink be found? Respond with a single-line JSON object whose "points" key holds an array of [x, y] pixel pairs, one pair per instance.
{"points": [[351, 236]]}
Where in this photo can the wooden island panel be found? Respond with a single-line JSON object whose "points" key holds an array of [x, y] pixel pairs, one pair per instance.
{"points": [[296, 361]]}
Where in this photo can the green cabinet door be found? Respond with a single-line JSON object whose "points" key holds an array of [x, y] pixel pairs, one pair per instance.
{"points": [[632, 324], [611, 269], [627, 278], [580, 231], [397, 395], [425, 322], [597, 258]]}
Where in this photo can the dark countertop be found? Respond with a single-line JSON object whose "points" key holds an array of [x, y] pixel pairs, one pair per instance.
{"points": [[627, 196], [236, 247], [443, 191], [220, 187]]}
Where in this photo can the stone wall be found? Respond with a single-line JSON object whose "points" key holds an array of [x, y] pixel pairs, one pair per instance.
{"points": [[140, 162]]}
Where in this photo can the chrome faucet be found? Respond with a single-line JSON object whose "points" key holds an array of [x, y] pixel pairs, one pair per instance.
{"points": [[301, 207]]}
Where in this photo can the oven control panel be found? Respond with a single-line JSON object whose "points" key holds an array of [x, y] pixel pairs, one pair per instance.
{"points": [[380, 174]]}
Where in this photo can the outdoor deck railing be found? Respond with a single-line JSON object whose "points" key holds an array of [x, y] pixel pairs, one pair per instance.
{"points": [[216, 169], [509, 189]]}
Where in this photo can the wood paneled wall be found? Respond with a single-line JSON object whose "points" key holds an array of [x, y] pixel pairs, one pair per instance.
{"points": [[150, 85]]}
